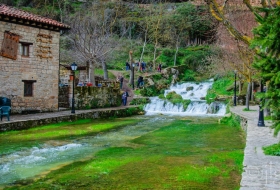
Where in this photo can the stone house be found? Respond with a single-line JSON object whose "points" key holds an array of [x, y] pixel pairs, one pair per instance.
{"points": [[29, 60]]}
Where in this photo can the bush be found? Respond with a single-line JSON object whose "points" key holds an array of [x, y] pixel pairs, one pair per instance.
{"points": [[233, 121], [272, 150], [150, 91], [218, 88], [140, 101]]}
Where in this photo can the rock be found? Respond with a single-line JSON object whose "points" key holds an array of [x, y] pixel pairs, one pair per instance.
{"points": [[150, 81], [189, 88]]}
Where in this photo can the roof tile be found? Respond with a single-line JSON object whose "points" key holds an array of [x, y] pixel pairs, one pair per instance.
{"points": [[17, 13]]}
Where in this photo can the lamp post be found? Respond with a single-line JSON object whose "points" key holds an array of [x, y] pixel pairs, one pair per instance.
{"points": [[234, 99], [133, 65], [261, 115], [73, 68]]}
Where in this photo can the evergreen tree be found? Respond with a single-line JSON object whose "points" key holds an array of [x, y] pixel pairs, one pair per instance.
{"points": [[267, 60]]}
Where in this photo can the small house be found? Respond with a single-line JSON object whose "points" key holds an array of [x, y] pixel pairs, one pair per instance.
{"points": [[29, 60]]}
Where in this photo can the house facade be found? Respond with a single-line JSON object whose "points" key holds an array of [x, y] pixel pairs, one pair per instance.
{"points": [[29, 60]]}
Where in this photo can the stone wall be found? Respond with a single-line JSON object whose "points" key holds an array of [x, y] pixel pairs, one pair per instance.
{"points": [[62, 117], [41, 66], [63, 97], [97, 97], [243, 122]]}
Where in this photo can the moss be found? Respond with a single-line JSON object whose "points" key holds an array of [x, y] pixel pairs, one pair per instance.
{"points": [[157, 76], [139, 101], [191, 155], [175, 99], [150, 91], [161, 96], [219, 87], [186, 104]]}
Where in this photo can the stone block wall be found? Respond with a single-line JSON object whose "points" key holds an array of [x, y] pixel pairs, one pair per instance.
{"points": [[41, 66], [97, 97], [63, 97]]}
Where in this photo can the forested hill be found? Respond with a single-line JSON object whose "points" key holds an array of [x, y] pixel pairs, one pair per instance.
{"points": [[155, 32]]}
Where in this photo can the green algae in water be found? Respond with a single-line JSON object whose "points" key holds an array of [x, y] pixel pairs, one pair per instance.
{"points": [[169, 153]]}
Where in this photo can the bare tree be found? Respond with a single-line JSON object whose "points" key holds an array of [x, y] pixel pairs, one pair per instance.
{"points": [[92, 36]]}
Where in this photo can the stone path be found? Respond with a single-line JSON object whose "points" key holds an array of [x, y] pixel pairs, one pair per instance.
{"points": [[260, 172], [125, 84]]}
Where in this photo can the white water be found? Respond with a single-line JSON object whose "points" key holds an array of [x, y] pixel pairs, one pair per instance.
{"points": [[195, 92]]}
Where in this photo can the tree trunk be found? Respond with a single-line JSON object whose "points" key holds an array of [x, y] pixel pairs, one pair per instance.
{"points": [[91, 74], [143, 48], [176, 52], [248, 95], [154, 60], [105, 70], [131, 68], [252, 92]]}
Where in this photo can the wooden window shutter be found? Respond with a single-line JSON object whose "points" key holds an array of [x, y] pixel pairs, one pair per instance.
{"points": [[9, 47]]}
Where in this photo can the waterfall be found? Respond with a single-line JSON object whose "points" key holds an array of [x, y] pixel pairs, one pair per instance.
{"points": [[195, 92]]}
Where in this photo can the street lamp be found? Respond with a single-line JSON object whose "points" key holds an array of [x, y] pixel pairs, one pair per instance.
{"points": [[261, 115], [234, 99], [73, 68], [133, 65]]}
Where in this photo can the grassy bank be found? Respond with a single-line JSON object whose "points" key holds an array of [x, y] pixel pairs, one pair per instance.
{"points": [[180, 155]]}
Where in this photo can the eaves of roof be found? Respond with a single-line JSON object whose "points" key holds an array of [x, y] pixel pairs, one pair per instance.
{"points": [[12, 14]]}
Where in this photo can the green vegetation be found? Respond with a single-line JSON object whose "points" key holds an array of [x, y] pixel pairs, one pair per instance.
{"points": [[180, 154], [15, 140], [100, 73], [140, 101], [273, 150], [246, 109], [219, 87], [233, 121], [175, 99], [267, 43], [150, 91]]}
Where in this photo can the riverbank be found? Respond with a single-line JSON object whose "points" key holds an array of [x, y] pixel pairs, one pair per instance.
{"points": [[260, 171], [20, 122]]}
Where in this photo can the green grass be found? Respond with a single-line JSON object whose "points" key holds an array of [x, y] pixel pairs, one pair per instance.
{"points": [[219, 87], [100, 72], [246, 109], [273, 150], [179, 155], [15, 140]]}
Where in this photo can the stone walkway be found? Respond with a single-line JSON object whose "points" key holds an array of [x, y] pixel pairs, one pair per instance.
{"points": [[260, 172]]}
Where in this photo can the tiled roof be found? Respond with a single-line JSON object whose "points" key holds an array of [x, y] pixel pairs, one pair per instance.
{"points": [[17, 13]]}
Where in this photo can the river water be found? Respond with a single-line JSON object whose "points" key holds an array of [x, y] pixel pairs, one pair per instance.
{"points": [[32, 162], [36, 161]]}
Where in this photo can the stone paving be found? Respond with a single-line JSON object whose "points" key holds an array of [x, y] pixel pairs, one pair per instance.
{"points": [[260, 172]]}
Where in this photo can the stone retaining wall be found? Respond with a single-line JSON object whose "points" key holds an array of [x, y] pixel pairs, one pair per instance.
{"points": [[63, 97], [62, 117], [97, 97], [243, 122]]}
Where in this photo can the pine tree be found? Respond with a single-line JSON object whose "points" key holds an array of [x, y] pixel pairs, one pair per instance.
{"points": [[267, 60]]}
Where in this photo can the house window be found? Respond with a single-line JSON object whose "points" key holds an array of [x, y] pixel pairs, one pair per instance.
{"points": [[28, 87], [25, 49]]}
